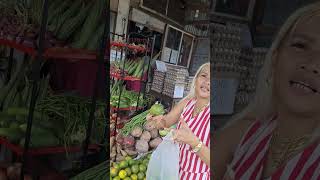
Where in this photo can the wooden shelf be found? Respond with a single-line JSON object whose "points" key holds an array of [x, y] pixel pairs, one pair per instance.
{"points": [[198, 5]]}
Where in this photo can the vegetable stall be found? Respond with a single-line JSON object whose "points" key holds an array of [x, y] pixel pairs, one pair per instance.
{"points": [[50, 132]]}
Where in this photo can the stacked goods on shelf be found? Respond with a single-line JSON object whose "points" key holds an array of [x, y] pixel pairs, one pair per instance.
{"points": [[137, 136], [175, 75], [134, 68], [226, 48], [245, 64], [258, 58], [252, 61], [158, 81], [127, 99], [188, 87], [201, 30]]}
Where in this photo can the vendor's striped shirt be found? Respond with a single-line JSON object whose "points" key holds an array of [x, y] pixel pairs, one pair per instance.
{"points": [[191, 166], [252, 152]]}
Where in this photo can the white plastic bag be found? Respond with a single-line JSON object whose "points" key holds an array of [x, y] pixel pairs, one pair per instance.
{"points": [[164, 161]]}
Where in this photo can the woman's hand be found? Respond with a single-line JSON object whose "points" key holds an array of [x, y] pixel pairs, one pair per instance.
{"points": [[185, 135], [158, 121]]}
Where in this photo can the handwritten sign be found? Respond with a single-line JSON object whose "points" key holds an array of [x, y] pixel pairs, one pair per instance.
{"points": [[178, 91], [224, 93], [161, 66]]}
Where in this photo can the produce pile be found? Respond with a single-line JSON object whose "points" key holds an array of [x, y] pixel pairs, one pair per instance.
{"points": [[98, 172], [130, 169], [20, 19], [133, 67], [58, 120], [17, 93], [137, 136], [113, 118], [127, 99], [76, 24]]}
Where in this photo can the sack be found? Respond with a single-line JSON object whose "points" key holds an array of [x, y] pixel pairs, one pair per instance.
{"points": [[164, 161]]}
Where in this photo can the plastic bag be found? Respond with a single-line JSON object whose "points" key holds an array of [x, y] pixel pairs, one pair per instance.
{"points": [[164, 161]]}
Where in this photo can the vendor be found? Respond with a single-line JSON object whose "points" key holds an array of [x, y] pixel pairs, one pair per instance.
{"points": [[192, 116], [277, 136]]}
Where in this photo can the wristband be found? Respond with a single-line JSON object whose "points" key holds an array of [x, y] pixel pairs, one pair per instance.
{"points": [[197, 148]]}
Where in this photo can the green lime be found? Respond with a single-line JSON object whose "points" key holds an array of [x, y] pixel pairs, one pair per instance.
{"points": [[146, 162], [134, 177], [135, 169], [116, 178], [127, 158], [114, 172], [122, 174], [140, 175], [131, 162], [128, 170], [123, 164], [127, 178], [142, 168], [115, 165]]}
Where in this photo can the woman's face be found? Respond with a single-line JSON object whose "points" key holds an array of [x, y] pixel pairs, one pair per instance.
{"points": [[202, 88], [297, 69]]}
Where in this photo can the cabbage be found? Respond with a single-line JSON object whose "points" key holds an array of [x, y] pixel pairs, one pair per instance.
{"points": [[157, 109]]}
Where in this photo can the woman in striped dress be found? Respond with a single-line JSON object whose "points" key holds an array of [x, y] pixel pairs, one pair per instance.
{"points": [[192, 116], [277, 136]]}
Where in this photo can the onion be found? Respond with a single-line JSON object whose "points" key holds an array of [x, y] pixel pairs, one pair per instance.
{"points": [[114, 115]]}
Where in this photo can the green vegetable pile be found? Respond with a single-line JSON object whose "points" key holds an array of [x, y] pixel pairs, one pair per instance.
{"points": [[72, 113], [17, 93], [133, 67], [127, 99], [78, 22], [58, 120], [98, 172], [71, 23], [140, 119]]}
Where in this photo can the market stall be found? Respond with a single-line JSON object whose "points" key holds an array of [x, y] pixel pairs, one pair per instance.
{"points": [[42, 124]]}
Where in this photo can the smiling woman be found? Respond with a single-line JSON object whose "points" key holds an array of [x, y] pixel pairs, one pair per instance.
{"points": [[277, 136], [192, 116]]}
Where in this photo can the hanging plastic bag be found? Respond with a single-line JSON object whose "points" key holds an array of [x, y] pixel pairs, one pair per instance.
{"points": [[164, 161]]}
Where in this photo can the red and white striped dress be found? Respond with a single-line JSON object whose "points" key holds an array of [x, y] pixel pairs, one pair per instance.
{"points": [[251, 155], [191, 166]]}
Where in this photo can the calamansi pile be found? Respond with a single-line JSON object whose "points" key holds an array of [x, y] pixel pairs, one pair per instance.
{"points": [[130, 169]]}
